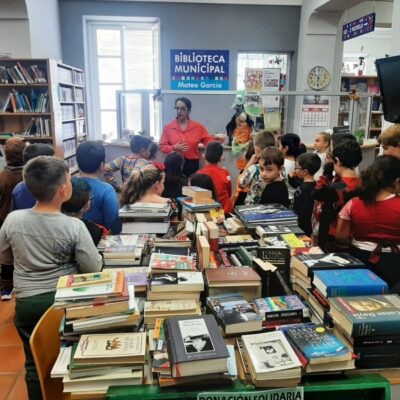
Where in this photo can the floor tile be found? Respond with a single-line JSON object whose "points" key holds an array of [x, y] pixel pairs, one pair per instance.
{"points": [[6, 384], [15, 359], [19, 392], [9, 335]]}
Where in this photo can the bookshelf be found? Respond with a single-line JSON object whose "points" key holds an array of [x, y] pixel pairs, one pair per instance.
{"points": [[44, 101], [363, 84]]}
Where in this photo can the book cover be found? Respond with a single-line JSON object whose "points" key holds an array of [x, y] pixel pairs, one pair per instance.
{"points": [[349, 282], [240, 276], [166, 306], [184, 281], [317, 344], [367, 315], [163, 261], [237, 240], [267, 213], [279, 257], [281, 307], [78, 280], [138, 279], [273, 230]]}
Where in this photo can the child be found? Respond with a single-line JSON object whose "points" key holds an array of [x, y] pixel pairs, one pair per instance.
{"points": [[371, 222], [11, 175], [140, 148], [239, 197], [174, 179], [390, 141], [322, 144], [219, 176], [78, 204], [205, 182], [153, 155], [90, 156], [43, 244], [271, 163], [346, 155], [303, 204], [21, 197], [145, 186], [250, 177]]}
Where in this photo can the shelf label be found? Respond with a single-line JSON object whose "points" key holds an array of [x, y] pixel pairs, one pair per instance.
{"points": [[358, 27], [280, 394]]}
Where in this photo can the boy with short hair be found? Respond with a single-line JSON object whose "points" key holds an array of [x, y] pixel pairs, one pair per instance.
{"points": [[21, 197], [43, 244], [250, 177], [271, 163], [307, 166], [219, 176], [90, 156], [390, 141], [140, 148]]}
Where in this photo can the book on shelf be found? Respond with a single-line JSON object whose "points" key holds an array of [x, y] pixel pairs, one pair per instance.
{"points": [[373, 315], [177, 281], [348, 282], [195, 346], [234, 313]]}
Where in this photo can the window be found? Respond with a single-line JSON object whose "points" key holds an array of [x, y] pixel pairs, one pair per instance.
{"points": [[122, 56]]}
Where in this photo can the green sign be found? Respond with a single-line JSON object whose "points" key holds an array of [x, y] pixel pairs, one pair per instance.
{"points": [[281, 394]]}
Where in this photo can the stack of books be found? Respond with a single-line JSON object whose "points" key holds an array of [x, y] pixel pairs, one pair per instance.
{"points": [[318, 349], [120, 250], [99, 361], [180, 285], [265, 214], [146, 218], [271, 360], [234, 314], [371, 326]]}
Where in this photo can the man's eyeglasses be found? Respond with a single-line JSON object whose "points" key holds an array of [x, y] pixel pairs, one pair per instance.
{"points": [[180, 108]]}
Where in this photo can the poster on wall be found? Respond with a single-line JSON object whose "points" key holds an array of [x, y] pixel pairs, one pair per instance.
{"points": [[199, 69], [315, 111]]}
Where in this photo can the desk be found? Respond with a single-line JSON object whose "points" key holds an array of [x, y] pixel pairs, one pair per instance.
{"points": [[346, 387]]}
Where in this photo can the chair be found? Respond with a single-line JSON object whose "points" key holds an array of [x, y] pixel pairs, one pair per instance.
{"points": [[45, 346]]}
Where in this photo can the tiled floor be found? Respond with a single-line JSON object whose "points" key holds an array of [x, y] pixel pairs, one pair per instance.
{"points": [[12, 382]]}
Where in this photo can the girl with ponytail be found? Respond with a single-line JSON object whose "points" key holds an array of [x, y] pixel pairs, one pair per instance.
{"points": [[371, 221]]}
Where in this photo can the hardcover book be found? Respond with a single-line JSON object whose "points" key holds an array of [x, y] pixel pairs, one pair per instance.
{"points": [[281, 307], [195, 346], [230, 277], [265, 214], [177, 281], [348, 282]]}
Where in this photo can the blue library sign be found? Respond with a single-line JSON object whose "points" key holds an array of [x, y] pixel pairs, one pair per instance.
{"points": [[358, 27], [199, 69]]}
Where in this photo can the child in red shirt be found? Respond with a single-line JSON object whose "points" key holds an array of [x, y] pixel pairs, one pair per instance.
{"points": [[219, 176]]}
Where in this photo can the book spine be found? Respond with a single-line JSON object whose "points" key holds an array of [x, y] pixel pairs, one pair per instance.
{"points": [[278, 315], [224, 258], [376, 341], [336, 291], [172, 356], [375, 328]]}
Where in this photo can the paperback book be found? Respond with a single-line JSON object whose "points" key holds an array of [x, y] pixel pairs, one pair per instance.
{"points": [[281, 307]]}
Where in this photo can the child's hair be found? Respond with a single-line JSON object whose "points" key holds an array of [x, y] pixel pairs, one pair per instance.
{"points": [[391, 136], [293, 143], [81, 193], [272, 155], [43, 176], [37, 149], [264, 139], [338, 137], [348, 152], [250, 150], [213, 153], [90, 155], [185, 100], [13, 150], [140, 182], [153, 151], [174, 163], [326, 136], [139, 143], [309, 161], [380, 175], [205, 182]]}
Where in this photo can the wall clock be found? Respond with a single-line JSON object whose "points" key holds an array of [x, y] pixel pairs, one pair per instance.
{"points": [[318, 78]]}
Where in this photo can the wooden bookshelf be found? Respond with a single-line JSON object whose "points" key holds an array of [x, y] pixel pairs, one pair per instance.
{"points": [[61, 121]]}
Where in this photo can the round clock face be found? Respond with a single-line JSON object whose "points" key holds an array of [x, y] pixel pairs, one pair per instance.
{"points": [[318, 78]]}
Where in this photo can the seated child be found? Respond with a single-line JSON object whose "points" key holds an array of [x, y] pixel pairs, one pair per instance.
{"points": [[271, 163], [43, 244], [250, 177], [21, 197], [390, 141], [78, 204], [140, 148], [174, 178], [90, 156], [303, 204], [322, 144], [219, 176]]}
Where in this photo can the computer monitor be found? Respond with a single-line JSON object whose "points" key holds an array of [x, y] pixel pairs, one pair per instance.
{"points": [[389, 82]]}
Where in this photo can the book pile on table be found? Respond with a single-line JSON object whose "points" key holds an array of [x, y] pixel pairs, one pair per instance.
{"points": [[119, 250], [319, 349], [197, 199], [99, 361], [146, 218], [96, 302], [371, 325], [271, 360]]}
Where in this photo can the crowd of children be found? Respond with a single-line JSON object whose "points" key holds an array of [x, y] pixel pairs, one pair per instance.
{"points": [[50, 224]]}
